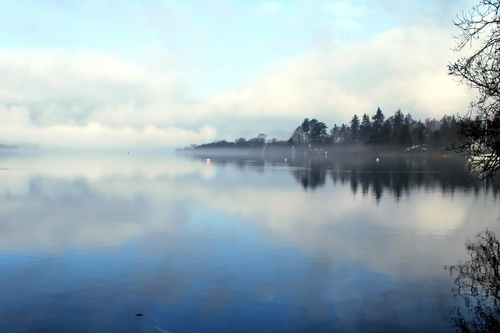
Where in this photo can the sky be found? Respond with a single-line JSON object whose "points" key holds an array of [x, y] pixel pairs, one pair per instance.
{"points": [[161, 73]]}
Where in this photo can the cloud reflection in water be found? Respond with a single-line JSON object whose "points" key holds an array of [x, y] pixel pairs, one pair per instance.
{"points": [[87, 242]]}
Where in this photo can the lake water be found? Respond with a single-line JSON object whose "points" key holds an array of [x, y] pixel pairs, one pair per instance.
{"points": [[151, 242]]}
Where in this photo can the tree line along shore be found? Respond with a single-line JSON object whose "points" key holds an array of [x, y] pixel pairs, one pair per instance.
{"points": [[397, 133]]}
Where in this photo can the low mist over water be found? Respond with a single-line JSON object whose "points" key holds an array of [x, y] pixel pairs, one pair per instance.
{"points": [[152, 242]]}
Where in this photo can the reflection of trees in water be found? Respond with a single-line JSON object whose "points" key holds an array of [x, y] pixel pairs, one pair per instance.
{"points": [[311, 175], [477, 282], [399, 175]]}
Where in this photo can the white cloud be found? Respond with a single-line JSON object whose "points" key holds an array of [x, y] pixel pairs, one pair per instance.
{"points": [[16, 128], [53, 97], [402, 68], [92, 99]]}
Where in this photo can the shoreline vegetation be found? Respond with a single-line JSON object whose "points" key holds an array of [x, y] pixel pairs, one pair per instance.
{"points": [[398, 134]]}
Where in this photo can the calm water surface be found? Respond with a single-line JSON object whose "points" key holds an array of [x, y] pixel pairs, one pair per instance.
{"points": [[238, 245]]}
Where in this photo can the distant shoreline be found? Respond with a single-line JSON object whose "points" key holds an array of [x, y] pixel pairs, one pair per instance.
{"points": [[328, 151]]}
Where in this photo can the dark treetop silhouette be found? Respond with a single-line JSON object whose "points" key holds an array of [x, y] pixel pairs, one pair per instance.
{"points": [[394, 133], [480, 128]]}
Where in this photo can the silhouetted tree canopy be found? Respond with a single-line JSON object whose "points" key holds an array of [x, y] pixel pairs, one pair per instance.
{"points": [[397, 120], [317, 131], [404, 136], [378, 120], [397, 133], [479, 129], [305, 127], [365, 129], [355, 128], [298, 136], [334, 133]]}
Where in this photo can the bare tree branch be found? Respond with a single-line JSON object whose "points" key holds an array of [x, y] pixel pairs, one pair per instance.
{"points": [[480, 127]]}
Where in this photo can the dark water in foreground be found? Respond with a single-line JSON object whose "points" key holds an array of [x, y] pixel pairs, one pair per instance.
{"points": [[352, 245]]}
